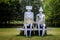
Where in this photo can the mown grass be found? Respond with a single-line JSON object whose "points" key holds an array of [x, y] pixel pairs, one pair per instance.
{"points": [[12, 34]]}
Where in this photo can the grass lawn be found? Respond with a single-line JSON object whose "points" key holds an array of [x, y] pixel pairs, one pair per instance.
{"points": [[11, 34]]}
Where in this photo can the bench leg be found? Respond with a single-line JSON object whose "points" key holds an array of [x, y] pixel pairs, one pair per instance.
{"points": [[30, 29], [26, 32]]}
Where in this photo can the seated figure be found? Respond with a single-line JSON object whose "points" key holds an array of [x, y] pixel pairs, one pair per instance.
{"points": [[40, 21], [28, 20]]}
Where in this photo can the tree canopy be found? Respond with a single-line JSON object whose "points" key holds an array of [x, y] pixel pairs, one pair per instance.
{"points": [[14, 10], [52, 10]]}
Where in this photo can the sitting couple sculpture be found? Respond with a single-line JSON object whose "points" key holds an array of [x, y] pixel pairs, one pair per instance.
{"points": [[29, 21]]}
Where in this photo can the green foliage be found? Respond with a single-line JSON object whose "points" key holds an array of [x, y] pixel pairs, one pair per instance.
{"points": [[9, 10], [14, 10], [5, 13], [52, 10]]}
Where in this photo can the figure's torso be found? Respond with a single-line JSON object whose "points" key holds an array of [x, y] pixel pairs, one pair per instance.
{"points": [[41, 18], [29, 17]]}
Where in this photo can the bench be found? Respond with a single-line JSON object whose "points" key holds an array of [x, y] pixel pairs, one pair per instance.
{"points": [[34, 29]]}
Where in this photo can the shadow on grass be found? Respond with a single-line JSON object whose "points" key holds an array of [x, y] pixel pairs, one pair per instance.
{"points": [[33, 35], [21, 34]]}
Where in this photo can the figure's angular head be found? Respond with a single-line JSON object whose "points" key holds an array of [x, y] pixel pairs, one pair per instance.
{"points": [[41, 9], [28, 7]]}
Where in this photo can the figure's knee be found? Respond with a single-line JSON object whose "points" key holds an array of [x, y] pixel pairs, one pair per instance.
{"points": [[44, 25]]}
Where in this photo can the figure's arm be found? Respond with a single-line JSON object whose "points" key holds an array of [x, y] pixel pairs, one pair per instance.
{"points": [[33, 18], [24, 18], [44, 21], [44, 18]]}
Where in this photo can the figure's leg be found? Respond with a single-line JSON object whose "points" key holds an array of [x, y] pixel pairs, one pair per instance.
{"points": [[30, 29], [39, 29], [43, 31]]}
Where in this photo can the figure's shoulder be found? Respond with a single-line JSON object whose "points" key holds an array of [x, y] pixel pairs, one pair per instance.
{"points": [[37, 14], [43, 14], [32, 12], [25, 12], [28, 12]]}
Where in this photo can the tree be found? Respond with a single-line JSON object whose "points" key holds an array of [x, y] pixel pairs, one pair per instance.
{"points": [[51, 8], [4, 13], [9, 11]]}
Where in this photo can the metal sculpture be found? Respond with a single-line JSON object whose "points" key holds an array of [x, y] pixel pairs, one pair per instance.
{"points": [[40, 20], [28, 20]]}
